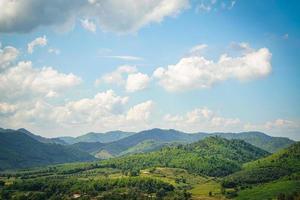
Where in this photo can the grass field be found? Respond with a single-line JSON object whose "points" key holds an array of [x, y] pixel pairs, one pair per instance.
{"points": [[269, 190]]}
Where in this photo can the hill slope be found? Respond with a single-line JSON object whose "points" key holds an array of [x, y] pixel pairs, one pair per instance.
{"points": [[280, 164], [259, 139], [157, 135], [18, 150], [213, 156], [42, 139], [97, 137], [139, 142]]}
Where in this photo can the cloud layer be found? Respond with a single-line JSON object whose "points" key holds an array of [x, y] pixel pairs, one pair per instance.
{"points": [[111, 15]]}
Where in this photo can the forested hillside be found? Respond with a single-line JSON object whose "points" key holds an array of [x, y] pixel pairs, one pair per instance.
{"points": [[213, 156], [18, 150]]}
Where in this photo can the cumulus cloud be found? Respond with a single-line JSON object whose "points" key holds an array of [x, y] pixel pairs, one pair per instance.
{"points": [[105, 111], [7, 55], [111, 15], [23, 81], [136, 82], [88, 25], [196, 72], [201, 119], [140, 112], [40, 41], [126, 76]]}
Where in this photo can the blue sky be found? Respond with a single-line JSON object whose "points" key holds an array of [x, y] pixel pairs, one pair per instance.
{"points": [[87, 47]]}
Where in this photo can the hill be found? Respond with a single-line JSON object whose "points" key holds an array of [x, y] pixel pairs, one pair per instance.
{"points": [[259, 139], [42, 139], [153, 139], [283, 163], [213, 156], [18, 150], [97, 137], [157, 136]]}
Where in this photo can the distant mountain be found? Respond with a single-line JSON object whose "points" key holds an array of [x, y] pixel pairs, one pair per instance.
{"points": [[153, 139], [19, 150], [212, 156], [159, 137], [42, 139], [97, 137], [259, 139], [285, 162], [90, 147]]}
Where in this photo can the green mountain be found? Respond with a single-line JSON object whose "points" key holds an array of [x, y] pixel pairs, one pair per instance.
{"points": [[90, 147], [97, 137], [153, 139], [42, 139], [157, 136], [213, 156], [259, 139], [280, 164], [18, 150]]}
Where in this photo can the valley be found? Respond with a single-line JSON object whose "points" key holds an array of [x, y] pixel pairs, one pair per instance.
{"points": [[210, 168]]}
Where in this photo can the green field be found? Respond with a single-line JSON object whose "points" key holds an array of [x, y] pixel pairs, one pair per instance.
{"points": [[270, 190]]}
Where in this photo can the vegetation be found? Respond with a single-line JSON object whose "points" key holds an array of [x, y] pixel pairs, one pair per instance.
{"points": [[212, 168], [280, 164], [212, 156], [18, 150]]}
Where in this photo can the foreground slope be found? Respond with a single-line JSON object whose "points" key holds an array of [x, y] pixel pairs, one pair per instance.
{"points": [[283, 163], [18, 150], [213, 156]]}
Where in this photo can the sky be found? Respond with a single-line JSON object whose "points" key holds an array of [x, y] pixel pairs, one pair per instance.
{"points": [[68, 67]]}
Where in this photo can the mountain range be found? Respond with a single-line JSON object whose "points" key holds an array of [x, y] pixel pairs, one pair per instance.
{"points": [[154, 139], [21, 148]]}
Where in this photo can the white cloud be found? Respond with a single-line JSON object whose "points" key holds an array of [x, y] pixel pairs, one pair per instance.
{"points": [[214, 5], [126, 76], [111, 15], [136, 82], [277, 127], [140, 112], [117, 76], [243, 47], [54, 51], [23, 81], [198, 49], [88, 25], [126, 58], [7, 55], [40, 41], [105, 111], [196, 72], [201, 119]]}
